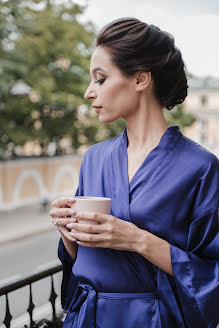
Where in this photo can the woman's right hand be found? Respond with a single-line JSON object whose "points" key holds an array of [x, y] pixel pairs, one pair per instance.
{"points": [[61, 213]]}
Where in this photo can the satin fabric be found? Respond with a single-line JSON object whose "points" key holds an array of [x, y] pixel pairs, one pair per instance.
{"points": [[126, 309], [175, 195]]}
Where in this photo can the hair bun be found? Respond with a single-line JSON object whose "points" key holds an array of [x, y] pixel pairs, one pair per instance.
{"points": [[171, 81], [136, 47]]}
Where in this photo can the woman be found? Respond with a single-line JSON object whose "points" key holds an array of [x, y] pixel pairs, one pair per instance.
{"points": [[153, 262]]}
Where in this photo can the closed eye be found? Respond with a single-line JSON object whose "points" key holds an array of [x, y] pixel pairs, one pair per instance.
{"points": [[100, 81]]}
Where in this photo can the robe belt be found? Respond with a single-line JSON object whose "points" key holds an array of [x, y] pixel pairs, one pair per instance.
{"points": [[84, 300], [85, 294]]}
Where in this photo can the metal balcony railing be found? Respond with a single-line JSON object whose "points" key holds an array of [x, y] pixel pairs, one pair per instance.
{"points": [[56, 320]]}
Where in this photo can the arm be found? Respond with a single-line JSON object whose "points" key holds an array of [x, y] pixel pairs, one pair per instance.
{"points": [[160, 252], [69, 281], [154, 249], [61, 212], [70, 246]]}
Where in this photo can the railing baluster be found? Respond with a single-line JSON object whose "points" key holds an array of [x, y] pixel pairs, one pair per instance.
{"points": [[31, 306], [52, 300], [8, 316], [56, 322]]}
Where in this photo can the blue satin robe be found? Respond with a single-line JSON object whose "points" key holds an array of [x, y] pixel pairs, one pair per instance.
{"points": [[175, 195]]}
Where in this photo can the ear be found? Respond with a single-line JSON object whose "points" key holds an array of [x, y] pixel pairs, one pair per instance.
{"points": [[142, 80]]}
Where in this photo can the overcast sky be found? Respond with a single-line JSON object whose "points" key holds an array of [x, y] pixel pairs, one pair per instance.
{"points": [[193, 23]]}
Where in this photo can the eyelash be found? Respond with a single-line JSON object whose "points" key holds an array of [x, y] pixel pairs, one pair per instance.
{"points": [[100, 81]]}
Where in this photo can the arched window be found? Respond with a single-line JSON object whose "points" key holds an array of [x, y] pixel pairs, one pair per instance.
{"points": [[203, 100]]}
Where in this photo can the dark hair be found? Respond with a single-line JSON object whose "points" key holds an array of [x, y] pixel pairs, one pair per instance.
{"points": [[138, 47]]}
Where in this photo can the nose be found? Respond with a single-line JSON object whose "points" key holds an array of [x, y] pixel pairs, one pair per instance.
{"points": [[90, 93]]}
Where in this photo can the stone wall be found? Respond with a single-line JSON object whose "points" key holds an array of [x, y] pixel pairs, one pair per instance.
{"points": [[29, 181]]}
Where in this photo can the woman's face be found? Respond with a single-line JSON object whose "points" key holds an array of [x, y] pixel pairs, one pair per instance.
{"points": [[110, 91]]}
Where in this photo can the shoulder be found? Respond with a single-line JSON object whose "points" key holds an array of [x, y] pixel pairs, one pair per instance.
{"points": [[100, 149], [198, 157]]}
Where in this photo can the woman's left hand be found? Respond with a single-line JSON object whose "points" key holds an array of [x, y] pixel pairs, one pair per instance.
{"points": [[109, 232]]}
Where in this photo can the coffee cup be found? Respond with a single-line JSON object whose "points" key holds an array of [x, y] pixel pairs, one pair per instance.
{"points": [[91, 204]]}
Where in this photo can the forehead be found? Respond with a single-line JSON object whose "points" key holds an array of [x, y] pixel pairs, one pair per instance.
{"points": [[101, 58]]}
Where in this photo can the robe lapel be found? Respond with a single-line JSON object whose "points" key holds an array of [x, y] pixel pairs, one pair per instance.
{"points": [[120, 189], [154, 161], [119, 182]]}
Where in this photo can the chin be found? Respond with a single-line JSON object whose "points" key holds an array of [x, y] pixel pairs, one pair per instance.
{"points": [[105, 119], [102, 120]]}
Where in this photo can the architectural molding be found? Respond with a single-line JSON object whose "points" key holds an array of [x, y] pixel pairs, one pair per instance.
{"points": [[29, 173], [65, 169]]}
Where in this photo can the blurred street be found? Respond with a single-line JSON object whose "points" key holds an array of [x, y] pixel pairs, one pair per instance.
{"points": [[28, 243], [24, 222], [23, 257]]}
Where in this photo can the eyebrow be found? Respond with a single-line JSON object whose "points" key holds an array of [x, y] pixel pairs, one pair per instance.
{"points": [[98, 69]]}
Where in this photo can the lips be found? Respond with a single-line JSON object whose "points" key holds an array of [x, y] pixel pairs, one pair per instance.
{"points": [[97, 108]]}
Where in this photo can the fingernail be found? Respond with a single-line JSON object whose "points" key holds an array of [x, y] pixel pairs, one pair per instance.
{"points": [[68, 225], [73, 239], [72, 211], [77, 214], [71, 233], [71, 199], [73, 220]]}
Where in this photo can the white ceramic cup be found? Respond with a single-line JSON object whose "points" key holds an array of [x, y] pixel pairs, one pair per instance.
{"points": [[91, 204]]}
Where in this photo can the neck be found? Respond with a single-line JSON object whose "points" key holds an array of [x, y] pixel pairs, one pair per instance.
{"points": [[146, 127]]}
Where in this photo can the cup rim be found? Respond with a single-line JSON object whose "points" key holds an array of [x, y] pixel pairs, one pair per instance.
{"points": [[90, 198]]}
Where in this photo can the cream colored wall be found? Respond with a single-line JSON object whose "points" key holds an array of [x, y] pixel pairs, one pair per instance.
{"points": [[205, 130], [27, 181], [213, 128], [193, 101]]}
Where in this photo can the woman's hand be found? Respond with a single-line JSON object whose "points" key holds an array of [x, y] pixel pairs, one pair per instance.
{"points": [[61, 213], [110, 232]]}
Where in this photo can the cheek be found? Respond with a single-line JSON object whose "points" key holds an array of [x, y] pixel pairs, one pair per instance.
{"points": [[121, 91], [127, 96]]}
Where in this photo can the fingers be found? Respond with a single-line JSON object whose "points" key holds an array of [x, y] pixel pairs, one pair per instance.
{"points": [[89, 228], [62, 221], [64, 232], [99, 217], [91, 238], [60, 212], [63, 201]]}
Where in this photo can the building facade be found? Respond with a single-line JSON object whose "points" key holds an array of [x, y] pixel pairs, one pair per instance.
{"points": [[203, 102]]}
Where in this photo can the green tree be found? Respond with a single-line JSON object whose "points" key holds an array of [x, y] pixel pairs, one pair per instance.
{"points": [[177, 116], [54, 50], [43, 44], [9, 72]]}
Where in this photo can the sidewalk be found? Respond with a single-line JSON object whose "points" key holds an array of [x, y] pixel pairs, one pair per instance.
{"points": [[24, 222]]}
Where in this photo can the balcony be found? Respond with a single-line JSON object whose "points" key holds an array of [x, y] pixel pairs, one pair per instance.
{"points": [[54, 314]]}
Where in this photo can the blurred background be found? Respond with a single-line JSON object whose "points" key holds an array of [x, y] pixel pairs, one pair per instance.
{"points": [[46, 125]]}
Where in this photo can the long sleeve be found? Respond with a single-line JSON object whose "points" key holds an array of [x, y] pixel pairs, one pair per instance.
{"points": [[69, 281], [196, 269]]}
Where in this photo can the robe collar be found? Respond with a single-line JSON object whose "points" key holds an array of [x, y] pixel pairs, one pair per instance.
{"points": [[120, 186], [167, 141]]}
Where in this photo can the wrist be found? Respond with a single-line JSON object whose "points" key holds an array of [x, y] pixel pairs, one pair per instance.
{"points": [[142, 242]]}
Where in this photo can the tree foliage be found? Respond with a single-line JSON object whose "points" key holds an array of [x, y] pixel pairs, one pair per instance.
{"points": [[178, 117], [44, 45], [50, 52]]}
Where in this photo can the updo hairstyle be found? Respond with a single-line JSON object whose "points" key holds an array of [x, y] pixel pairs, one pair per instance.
{"points": [[138, 47]]}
